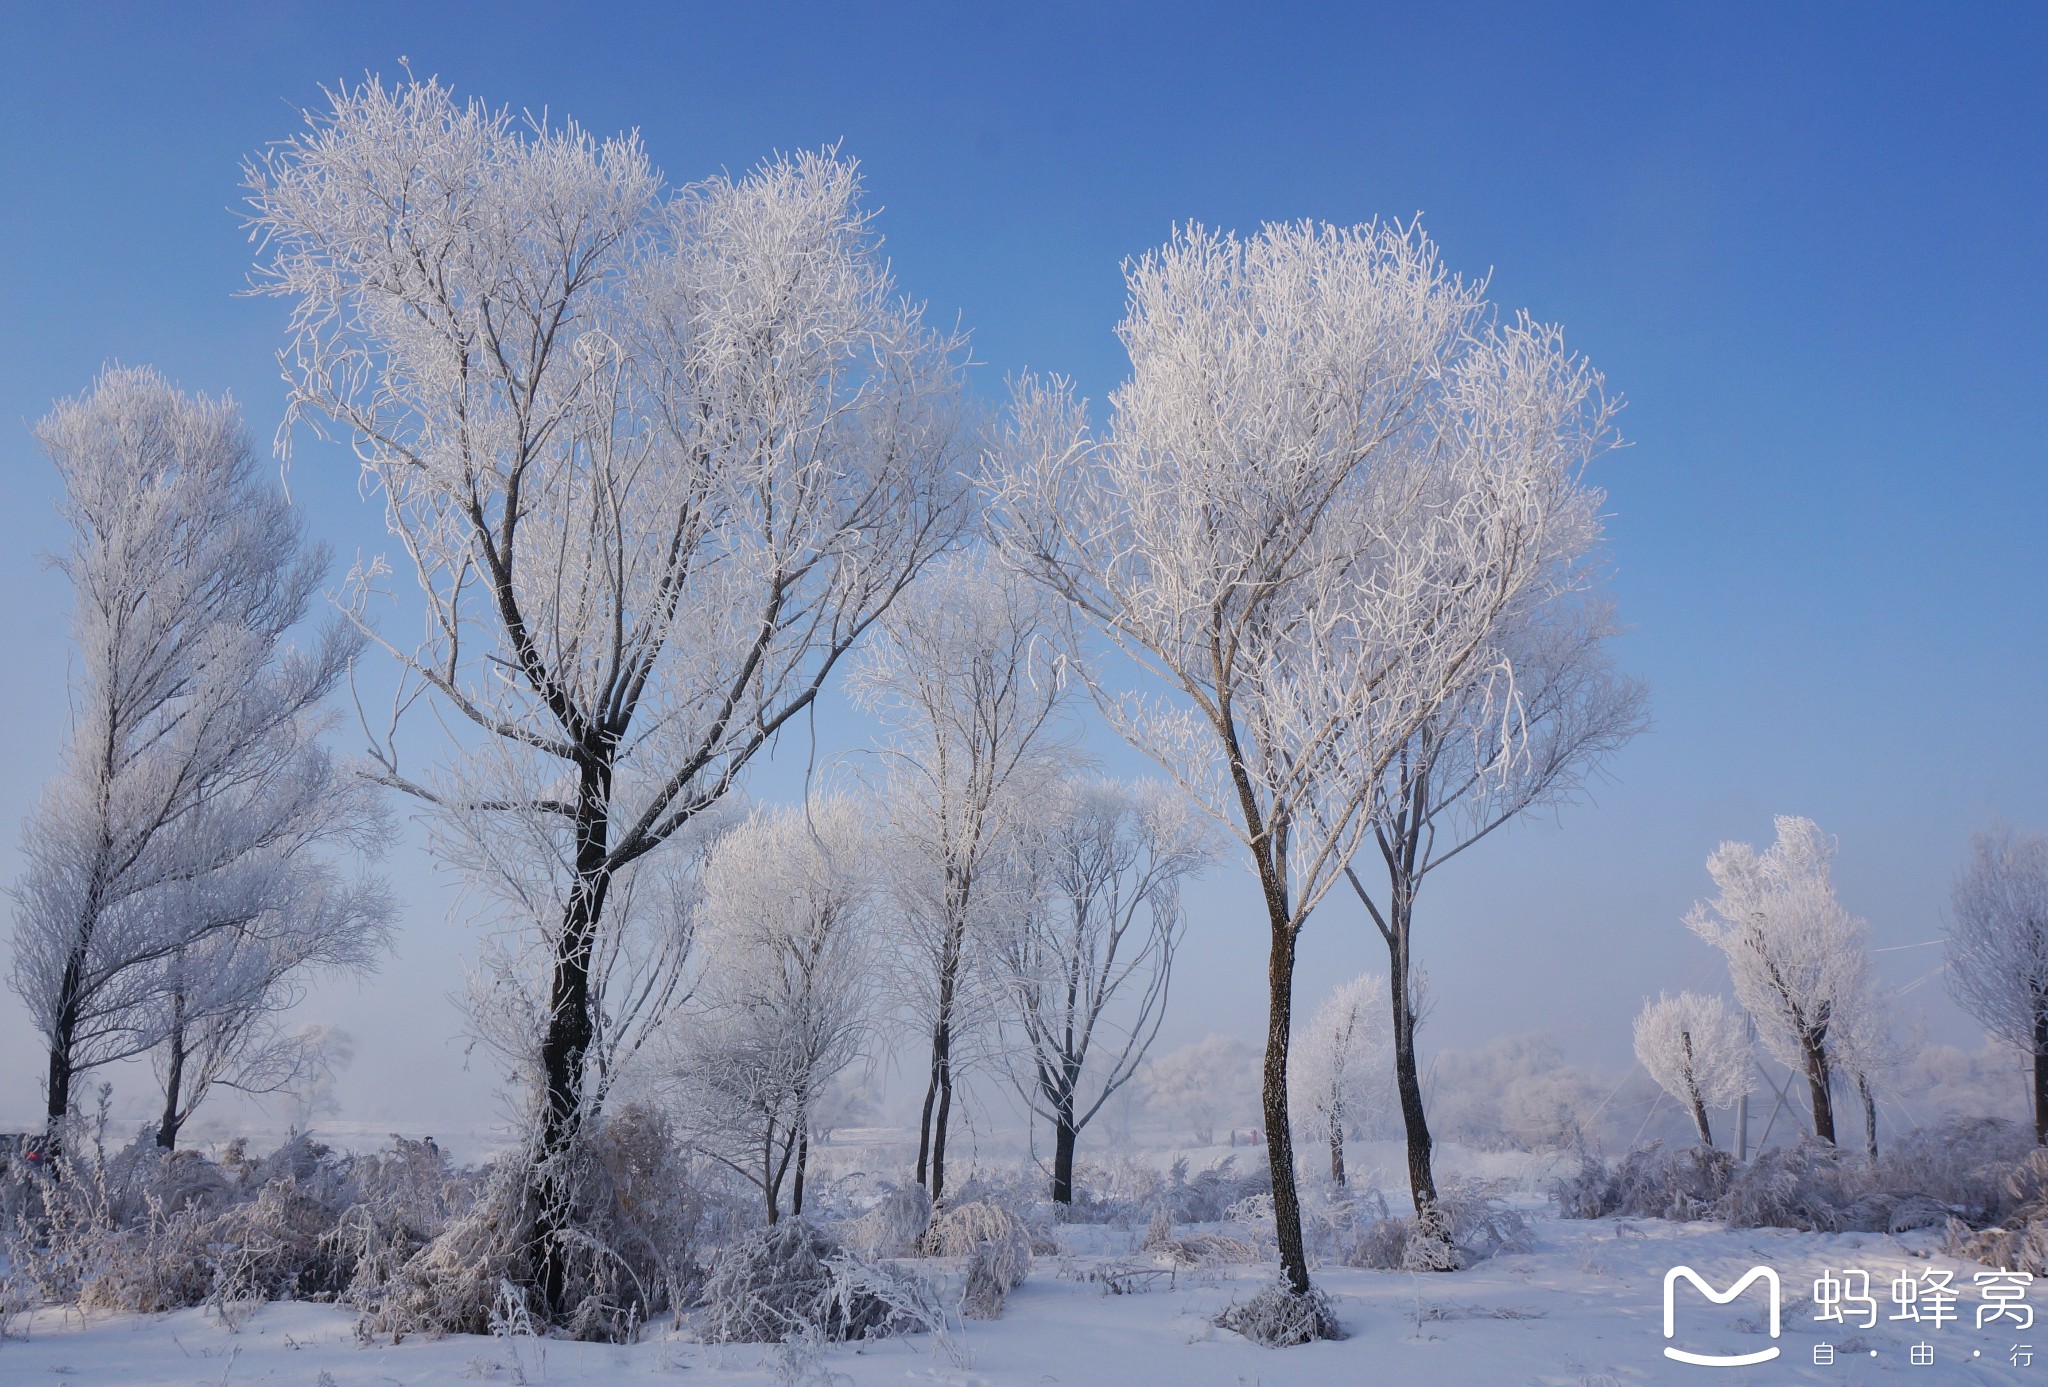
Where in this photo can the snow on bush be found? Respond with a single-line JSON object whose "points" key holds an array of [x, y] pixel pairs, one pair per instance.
{"points": [[1969, 1172], [1479, 1223], [792, 1281], [893, 1225], [1279, 1317]]}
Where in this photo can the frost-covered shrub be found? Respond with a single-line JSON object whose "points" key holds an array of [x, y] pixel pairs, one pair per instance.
{"points": [[1199, 1249], [1208, 1195], [1966, 1165], [1814, 1187], [893, 1226], [1647, 1182], [1477, 1223], [1278, 1317], [2018, 1241], [997, 1245], [792, 1280]]}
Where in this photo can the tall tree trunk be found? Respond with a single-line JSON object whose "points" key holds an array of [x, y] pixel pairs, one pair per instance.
{"points": [[1336, 1149], [1869, 1116], [931, 1099], [566, 1043], [1407, 1074], [174, 1076], [1817, 1084], [2040, 1071], [1063, 1135], [938, 1186], [63, 1040], [938, 1095], [1279, 1139]]}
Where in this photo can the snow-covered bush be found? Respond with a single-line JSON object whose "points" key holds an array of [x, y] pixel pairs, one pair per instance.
{"points": [[1967, 1165], [793, 1280], [1479, 1224], [893, 1225], [1279, 1317], [1647, 1182]]}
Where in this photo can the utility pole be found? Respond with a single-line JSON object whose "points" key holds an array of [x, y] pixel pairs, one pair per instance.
{"points": [[1742, 1103]]}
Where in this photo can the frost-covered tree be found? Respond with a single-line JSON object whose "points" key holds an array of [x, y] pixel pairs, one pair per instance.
{"points": [[193, 790], [1697, 1050], [1799, 961], [785, 1000], [1328, 477], [1550, 682], [1214, 1080], [658, 461], [225, 994], [1085, 964], [1339, 1066], [1998, 946], [965, 679]]}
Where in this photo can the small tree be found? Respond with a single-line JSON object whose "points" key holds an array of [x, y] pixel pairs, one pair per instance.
{"points": [[1998, 946], [193, 789], [1798, 960], [1697, 1050], [1328, 477], [965, 679], [1552, 679], [658, 462], [1340, 1069], [1085, 964], [225, 993], [785, 1001]]}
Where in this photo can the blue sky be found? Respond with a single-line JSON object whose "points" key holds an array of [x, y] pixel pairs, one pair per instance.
{"points": [[1805, 246]]}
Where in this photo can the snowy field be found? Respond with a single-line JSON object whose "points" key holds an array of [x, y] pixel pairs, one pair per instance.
{"points": [[1583, 1310]]}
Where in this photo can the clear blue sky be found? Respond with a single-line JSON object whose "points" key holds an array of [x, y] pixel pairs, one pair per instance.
{"points": [[1805, 242]]}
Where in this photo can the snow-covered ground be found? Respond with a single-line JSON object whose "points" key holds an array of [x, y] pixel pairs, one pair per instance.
{"points": [[1585, 1309]]}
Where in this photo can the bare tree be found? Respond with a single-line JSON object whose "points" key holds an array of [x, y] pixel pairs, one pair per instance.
{"points": [[1799, 961], [1086, 964], [1998, 946], [1340, 1066], [786, 997], [1551, 681], [965, 678], [658, 463], [1328, 476], [193, 774], [1697, 1050]]}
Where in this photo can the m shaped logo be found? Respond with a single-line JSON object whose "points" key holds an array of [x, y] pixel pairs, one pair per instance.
{"points": [[1718, 1360]]}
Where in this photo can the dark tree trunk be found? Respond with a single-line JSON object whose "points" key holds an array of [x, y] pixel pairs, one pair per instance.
{"points": [[1279, 1139], [57, 1088], [1407, 1074], [1063, 1135], [174, 1077], [931, 1099], [1699, 1120], [938, 1094], [1869, 1116], [2040, 1071], [1336, 1150], [938, 1186], [1699, 1107], [803, 1156], [566, 1043], [1817, 1084]]}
